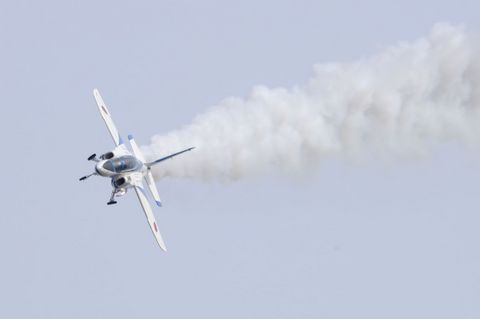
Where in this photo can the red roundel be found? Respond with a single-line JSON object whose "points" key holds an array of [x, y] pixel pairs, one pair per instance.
{"points": [[104, 109], [155, 226]]}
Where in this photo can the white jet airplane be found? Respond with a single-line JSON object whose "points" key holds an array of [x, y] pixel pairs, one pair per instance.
{"points": [[128, 170]]}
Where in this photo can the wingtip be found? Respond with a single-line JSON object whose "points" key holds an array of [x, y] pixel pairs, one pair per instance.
{"points": [[130, 137], [159, 203], [162, 245]]}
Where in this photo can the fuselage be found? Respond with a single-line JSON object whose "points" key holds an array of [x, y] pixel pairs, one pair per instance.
{"points": [[122, 170], [119, 165]]}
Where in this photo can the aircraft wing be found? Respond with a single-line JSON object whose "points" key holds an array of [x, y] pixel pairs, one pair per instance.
{"points": [[117, 139], [149, 214]]}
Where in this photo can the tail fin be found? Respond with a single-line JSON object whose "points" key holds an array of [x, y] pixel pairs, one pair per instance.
{"points": [[167, 157], [149, 177]]}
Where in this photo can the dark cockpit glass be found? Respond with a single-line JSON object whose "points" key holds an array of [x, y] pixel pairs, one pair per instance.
{"points": [[122, 164], [108, 165]]}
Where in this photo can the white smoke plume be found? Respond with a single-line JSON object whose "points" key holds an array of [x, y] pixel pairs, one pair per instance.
{"points": [[403, 100]]}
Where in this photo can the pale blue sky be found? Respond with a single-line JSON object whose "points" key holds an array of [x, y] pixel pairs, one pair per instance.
{"points": [[350, 241]]}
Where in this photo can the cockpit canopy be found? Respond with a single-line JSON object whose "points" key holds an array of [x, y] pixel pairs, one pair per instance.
{"points": [[122, 164]]}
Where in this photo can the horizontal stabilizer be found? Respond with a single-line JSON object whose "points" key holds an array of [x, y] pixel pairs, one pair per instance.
{"points": [[136, 149], [153, 188]]}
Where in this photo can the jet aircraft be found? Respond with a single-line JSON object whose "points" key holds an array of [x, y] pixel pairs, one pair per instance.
{"points": [[127, 169]]}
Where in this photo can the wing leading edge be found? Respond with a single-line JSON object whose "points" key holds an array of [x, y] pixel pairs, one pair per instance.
{"points": [[149, 214], [107, 118]]}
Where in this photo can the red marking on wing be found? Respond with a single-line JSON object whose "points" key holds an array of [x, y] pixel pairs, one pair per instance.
{"points": [[104, 110], [155, 226]]}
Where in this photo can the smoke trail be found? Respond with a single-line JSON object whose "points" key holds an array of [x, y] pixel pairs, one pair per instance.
{"points": [[406, 99]]}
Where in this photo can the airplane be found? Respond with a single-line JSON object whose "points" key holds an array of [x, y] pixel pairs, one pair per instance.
{"points": [[128, 169]]}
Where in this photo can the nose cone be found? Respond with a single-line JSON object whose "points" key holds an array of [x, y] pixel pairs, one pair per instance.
{"points": [[101, 169]]}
